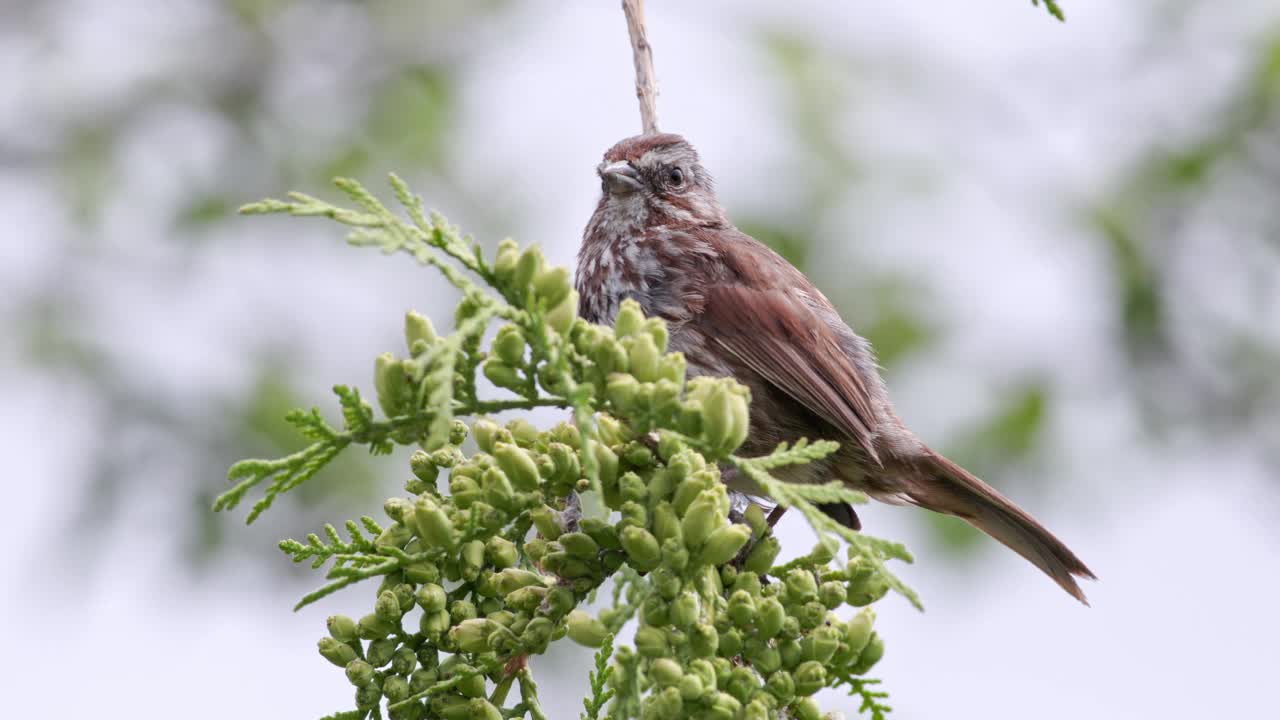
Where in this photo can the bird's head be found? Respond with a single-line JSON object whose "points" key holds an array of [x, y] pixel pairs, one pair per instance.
{"points": [[657, 179]]}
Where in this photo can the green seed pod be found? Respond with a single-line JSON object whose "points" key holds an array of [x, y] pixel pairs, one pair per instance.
{"points": [[502, 375], [748, 581], [806, 708], [457, 432], [763, 657], [434, 624], [403, 661], [341, 628], [858, 631], [770, 617], [394, 535], [565, 461], [656, 329], [821, 644], [743, 682], [633, 513], [523, 433], [742, 609], [512, 579], [724, 707], [537, 634], [642, 547], [792, 654], [870, 655], [481, 709], [654, 611], [428, 657], [730, 643], [643, 357], [472, 636], [396, 688], [666, 672], [472, 686], [397, 508], [666, 526], [756, 519], [501, 552], [629, 320], [831, 594], [509, 345], [462, 610], [537, 549], [450, 707], [701, 519], [417, 328], [423, 467], [472, 557], [561, 317], [559, 600], [666, 582], [724, 544], [381, 651], [704, 641], [607, 467], [790, 627], [485, 431], [810, 615], [526, 599], [690, 687], [391, 384], [359, 672], [605, 535], [668, 704], [705, 671], [675, 555], [518, 465], [552, 286], [586, 630], [422, 678], [368, 696], [422, 571], [651, 642], [633, 490], [684, 609], [756, 710], [781, 685], [372, 627], [432, 524], [580, 544], [866, 590], [335, 651], [800, 585], [761, 557], [504, 265], [547, 521], [687, 491], [431, 597], [810, 677], [527, 267]]}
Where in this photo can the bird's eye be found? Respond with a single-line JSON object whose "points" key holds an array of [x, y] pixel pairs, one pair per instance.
{"points": [[675, 177]]}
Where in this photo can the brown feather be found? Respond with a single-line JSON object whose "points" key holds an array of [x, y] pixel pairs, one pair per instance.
{"points": [[779, 338]]}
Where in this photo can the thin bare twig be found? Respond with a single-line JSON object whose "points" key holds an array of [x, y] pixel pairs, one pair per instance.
{"points": [[642, 53]]}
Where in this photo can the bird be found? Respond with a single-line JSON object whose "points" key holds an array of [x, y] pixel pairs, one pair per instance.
{"points": [[734, 307]]}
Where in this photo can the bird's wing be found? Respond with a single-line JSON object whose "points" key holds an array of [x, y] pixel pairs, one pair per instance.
{"points": [[778, 335]]}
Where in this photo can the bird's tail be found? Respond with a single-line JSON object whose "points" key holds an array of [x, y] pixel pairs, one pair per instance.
{"points": [[940, 485]]}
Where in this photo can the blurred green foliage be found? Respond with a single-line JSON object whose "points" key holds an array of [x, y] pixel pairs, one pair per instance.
{"points": [[1196, 353]]}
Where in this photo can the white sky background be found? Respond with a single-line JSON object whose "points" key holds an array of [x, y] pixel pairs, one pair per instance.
{"points": [[1018, 119]]}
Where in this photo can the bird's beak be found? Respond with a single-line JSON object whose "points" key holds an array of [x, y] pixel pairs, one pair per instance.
{"points": [[619, 178]]}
